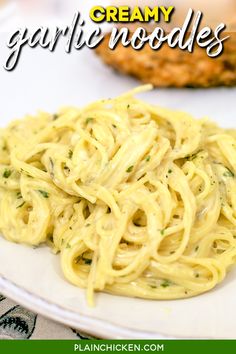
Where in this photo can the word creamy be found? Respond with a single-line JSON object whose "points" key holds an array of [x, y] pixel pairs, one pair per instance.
{"points": [[125, 14], [185, 37]]}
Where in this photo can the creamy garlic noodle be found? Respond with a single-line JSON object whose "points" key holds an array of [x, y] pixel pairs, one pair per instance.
{"points": [[139, 200]]}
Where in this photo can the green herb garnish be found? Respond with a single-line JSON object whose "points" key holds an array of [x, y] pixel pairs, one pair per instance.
{"points": [[44, 194], [193, 156], [89, 120], [196, 248], [162, 232], [55, 116], [148, 158], [165, 283], [68, 245], [81, 258], [87, 261], [70, 154], [130, 169], [228, 173], [170, 171], [51, 163], [18, 195], [21, 205], [51, 167], [7, 173]]}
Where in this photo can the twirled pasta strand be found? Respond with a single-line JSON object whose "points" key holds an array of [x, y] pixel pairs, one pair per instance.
{"points": [[139, 200]]}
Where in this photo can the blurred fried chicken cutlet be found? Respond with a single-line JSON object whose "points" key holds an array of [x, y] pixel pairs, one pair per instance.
{"points": [[173, 67]]}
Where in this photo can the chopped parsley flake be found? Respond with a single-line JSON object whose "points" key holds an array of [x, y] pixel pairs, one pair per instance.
{"points": [[7, 173], [89, 120], [196, 248], [70, 154], [87, 261], [21, 205], [165, 283], [51, 163], [55, 116], [148, 158], [51, 167], [81, 258], [130, 169], [170, 171], [18, 195], [162, 232], [44, 194], [192, 157], [228, 173]]}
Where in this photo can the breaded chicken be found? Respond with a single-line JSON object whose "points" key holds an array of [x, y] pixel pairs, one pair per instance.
{"points": [[169, 67]]}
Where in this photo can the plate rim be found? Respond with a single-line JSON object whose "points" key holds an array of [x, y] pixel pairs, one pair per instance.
{"points": [[91, 326]]}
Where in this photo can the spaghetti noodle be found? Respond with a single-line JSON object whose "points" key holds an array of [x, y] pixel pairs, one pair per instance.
{"points": [[139, 200]]}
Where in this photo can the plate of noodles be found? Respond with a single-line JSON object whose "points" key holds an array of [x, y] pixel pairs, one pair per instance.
{"points": [[118, 216]]}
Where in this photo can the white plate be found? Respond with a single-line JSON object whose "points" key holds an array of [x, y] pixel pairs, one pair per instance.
{"points": [[32, 277]]}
